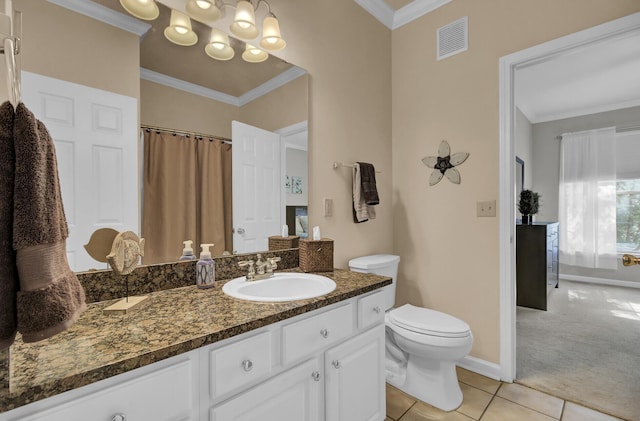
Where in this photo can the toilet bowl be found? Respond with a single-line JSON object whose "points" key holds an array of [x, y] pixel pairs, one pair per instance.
{"points": [[422, 345]]}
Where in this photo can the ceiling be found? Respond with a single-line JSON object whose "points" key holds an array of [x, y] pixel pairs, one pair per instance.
{"points": [[234, 77], [597, 78]]}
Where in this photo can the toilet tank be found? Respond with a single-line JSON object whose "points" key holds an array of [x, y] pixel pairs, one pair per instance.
{"points": [[379, 264]]}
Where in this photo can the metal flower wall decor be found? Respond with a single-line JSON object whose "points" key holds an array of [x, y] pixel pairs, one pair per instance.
{"points": [[444, 164]]}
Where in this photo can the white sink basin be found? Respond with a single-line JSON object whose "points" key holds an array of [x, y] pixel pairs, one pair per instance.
{"points": [[280, 287]]}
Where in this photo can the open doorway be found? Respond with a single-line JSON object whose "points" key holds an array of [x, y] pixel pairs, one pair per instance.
{"points": [[509, 68]]}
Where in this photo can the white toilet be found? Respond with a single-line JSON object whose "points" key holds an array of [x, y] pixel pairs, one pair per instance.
{"points": [[422, 345]]}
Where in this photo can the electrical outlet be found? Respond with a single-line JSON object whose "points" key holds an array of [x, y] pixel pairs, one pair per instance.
{"points": [[486, 208], [328, 207]]}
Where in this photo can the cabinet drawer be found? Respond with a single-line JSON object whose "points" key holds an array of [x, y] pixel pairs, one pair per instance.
{"points": [[164, 395], [309, 335], [371, 309], [239, 364]]}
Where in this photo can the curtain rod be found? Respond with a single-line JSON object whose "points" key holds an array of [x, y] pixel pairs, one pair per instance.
{"points": [[185, 132], [618, 130]]}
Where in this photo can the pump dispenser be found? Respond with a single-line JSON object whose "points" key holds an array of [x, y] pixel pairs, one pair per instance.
{"points": [[205, 268], [187, 251]]}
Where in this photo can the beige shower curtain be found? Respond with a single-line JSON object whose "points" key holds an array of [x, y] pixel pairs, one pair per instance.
{"points": [[186, 195]]}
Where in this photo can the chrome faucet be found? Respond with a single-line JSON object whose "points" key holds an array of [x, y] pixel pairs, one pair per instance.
{"points": [[261, 268]]}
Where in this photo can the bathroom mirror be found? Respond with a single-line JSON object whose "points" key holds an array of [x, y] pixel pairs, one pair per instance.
{"points": [[179, 73]]}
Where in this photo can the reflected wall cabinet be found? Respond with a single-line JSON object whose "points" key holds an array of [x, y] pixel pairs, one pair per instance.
{"points": [[536, 263]]}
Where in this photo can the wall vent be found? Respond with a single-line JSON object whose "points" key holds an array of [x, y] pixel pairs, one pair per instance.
{"points": [[453, 38]]}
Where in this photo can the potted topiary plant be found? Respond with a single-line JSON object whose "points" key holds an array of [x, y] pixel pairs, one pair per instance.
{"points": [[528, 205]]}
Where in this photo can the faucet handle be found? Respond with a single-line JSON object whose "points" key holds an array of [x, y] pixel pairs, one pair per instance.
{"points": [[250, 263], [272, 263]]}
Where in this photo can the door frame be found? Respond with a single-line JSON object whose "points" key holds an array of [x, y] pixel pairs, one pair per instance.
{"points": [[508, 66]]}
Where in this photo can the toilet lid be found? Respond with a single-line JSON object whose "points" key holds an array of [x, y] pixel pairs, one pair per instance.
{"points": [[428, 322]]}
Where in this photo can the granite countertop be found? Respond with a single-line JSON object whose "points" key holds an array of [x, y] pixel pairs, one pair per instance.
{"points": [[170, 322]]}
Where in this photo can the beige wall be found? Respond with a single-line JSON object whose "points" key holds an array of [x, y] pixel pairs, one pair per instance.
{"points": [[450, 259], [163, 106], [282, 107], [92, 53], [348, 56]]}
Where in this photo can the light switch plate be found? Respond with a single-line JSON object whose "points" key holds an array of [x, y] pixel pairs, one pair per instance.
{"points": [[328, 207], [486, 208]]}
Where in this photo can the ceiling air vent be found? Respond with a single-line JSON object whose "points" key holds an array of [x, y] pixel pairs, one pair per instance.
{"points": [[453, 38]]}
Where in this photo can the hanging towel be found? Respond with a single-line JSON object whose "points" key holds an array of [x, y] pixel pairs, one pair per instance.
{"points": [[368, 181], [361, 211], [8, 270], [50, 298]]}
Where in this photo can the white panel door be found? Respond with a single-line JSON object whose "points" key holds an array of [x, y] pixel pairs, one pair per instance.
{"points": [[355, 378], [96, 138], [257, 187]]}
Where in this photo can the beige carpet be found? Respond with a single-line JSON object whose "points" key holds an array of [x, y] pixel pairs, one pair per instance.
{"points": [[585, 348]]}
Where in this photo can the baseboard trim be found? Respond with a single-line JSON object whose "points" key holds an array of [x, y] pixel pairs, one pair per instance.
{"points": [[602, 281], [479, 366]]}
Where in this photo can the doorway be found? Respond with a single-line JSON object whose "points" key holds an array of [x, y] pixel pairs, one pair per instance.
{"points": [[623, 27]]}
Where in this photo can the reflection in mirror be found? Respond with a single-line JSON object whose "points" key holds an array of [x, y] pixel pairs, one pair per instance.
{"points": [[188, 98]]}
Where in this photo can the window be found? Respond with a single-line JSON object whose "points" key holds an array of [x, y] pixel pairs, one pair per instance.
{"points": [[628, 215]]}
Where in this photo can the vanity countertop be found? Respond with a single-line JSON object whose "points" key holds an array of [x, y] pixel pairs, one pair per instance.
{"points": [[170, 322]]}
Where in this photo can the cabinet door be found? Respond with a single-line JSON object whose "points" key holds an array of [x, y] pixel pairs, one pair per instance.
{"points": [[164, 395], [355, 381], [295, 395]]}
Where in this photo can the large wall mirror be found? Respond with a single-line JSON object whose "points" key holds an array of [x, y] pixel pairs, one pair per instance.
{"points": [[185, 97]]}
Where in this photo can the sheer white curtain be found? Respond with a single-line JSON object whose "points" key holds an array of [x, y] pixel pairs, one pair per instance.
{"points": [[587, 201]]}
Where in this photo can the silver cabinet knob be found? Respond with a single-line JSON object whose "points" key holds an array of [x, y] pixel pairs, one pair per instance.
{"points": [[316, 376], [324, 333], [240, 231], [336, 364], [247, 365], [118, 417], [376, 309]]}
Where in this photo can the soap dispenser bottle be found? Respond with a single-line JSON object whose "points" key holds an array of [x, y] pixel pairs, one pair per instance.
{"points": [[205, 268], [187, 251]]}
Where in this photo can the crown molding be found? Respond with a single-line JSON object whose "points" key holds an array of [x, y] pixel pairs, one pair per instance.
{"points": [[394, 19], [380, 10], [414, 10], [189, 87], [104, 14], [272, 84], [545, 117]]}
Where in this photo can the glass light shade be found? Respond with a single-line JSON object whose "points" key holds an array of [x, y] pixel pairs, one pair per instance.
{"points": [[271, 38], [179, 30], [244, 22], [218, 46], [253, 54], [203, 10], [142, 9]]}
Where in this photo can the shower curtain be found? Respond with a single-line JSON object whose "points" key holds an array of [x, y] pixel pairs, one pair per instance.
{"points": [[186, 195]]}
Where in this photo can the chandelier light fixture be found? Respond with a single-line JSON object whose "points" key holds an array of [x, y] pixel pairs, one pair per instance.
{"points": [[218, 46], [142, 9], [243, 26], [179, 30]]}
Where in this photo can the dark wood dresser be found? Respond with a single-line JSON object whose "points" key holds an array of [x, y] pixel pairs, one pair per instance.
{"points": [[536, 263]]}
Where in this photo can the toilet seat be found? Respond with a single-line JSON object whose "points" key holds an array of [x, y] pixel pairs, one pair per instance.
{"points": [[428, 322]]}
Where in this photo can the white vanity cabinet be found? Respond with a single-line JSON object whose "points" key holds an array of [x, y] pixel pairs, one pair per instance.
{"points": [[164, 391], [326, 364]]}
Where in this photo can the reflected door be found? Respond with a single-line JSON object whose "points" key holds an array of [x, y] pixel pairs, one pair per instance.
{"points": [[96, 141], [257, 187]]}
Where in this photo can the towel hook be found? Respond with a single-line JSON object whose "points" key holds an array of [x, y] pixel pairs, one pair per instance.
{"points": [[11, 23]]}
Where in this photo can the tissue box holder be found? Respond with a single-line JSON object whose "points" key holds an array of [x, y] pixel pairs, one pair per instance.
{"points": [[282, 243], [316, 255]]}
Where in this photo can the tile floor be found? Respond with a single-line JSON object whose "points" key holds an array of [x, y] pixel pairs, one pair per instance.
{"points": [[486, 399]]}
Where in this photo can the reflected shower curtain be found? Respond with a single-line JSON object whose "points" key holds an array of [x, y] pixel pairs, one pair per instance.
{"points": [[186, 195], [587, 199]]}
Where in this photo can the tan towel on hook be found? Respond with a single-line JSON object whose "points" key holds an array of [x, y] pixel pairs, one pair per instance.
{"points": [[361, 211], [8, 269], [50, 299]]}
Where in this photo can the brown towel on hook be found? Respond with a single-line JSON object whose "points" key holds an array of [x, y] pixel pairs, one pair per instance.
{"points": [[368, 180], [361, 211], [8, 271], [50, 298]]}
